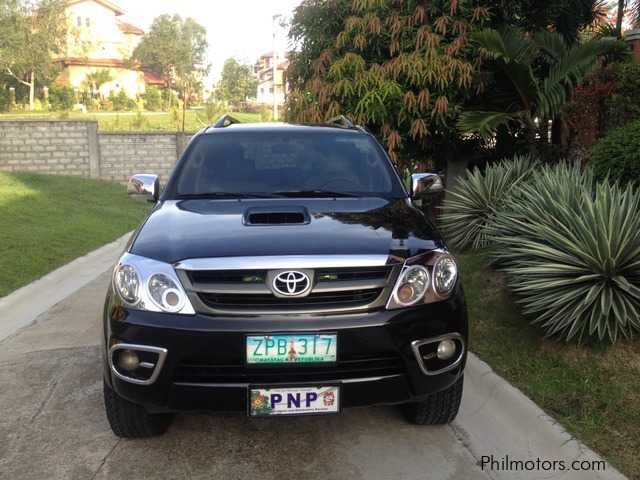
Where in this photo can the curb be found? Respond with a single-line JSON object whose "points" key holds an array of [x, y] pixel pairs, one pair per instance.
{"points": [[498, 419], [22, 307]]}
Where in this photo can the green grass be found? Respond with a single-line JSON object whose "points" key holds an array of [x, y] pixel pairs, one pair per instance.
{"points": [[49, 220], [131, 121], [594, 392]]}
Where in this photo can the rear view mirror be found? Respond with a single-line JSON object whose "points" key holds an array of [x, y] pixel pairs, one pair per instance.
{"points": [[144, 186], [425, 184]]}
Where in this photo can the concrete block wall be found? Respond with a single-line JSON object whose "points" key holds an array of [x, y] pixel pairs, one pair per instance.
{"points": [[77, 148], [61, 147]]}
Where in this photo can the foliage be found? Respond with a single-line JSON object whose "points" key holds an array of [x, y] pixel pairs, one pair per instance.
{"points": [[237, 82], [4, 98], [212, 111], [617, 156], [121, 102], [96, 79], [314, 28], [521, 89], [571, 252], [623, 106], [470, 206], [152, 99], [31, 35], [403, 69], [566, 17], [61, 97], [175, 49]]}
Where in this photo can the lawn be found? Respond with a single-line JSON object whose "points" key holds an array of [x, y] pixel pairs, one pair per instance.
{"points": [[594, 392], [132, 121], [47, 221]]}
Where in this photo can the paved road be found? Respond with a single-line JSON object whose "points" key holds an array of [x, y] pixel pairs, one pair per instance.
{"points": [[52, 424]]}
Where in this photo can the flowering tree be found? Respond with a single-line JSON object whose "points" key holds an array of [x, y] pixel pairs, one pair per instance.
{"points": [[403, 69]]}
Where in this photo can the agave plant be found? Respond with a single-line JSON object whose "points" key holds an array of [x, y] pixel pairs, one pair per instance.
{"points": [[471, 205], [571, 252]]}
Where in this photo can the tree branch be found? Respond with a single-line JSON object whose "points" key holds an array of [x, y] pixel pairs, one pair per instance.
{"points": [[10, 72]]}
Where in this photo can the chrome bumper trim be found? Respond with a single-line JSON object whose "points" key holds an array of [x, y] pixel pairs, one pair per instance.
{"points": [[157, 367], [416, 344]]}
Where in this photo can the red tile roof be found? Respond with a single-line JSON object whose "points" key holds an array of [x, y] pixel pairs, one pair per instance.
{"points": [[126, 27]]}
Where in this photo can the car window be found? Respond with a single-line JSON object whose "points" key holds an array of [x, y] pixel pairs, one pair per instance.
{"points": [[269, 162]]}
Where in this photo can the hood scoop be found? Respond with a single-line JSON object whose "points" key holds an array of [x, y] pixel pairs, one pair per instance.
{"points": [[260, 216]]}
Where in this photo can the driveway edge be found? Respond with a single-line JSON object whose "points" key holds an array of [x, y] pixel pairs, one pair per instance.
{"points": [[498, 419], [21, 307]]}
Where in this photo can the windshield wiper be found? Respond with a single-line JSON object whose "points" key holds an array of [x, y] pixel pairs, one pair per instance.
{"points": [[314, 193], [186, 196]]}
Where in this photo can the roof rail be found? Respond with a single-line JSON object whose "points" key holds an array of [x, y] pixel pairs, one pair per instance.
{"points": [[225, 121], [341, 121]]}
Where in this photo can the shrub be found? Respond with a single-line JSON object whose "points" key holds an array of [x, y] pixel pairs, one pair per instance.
{"points": [[4, 99], [121, 102], [211, 112], [623, 105], [152, 99], [571, 253], [618, 155], [471, 205], [61, 98]]}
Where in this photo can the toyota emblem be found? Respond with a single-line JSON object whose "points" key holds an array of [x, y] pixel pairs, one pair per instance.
{"points": [[291, 283]]}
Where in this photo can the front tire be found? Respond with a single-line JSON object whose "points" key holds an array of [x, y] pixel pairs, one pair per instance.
{"points": [[438, 409], [128, 420]]}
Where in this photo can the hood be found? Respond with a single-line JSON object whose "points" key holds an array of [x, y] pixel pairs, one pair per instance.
{"points": [[178, 230]]}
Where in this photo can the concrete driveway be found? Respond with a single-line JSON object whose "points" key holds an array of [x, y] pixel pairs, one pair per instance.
{"points": [[53, 426]]}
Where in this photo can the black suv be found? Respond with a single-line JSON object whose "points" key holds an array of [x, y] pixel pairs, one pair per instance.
{"points": [[284, 270]]}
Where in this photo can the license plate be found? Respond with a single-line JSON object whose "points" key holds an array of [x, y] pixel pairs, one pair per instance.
{"points": [[294, 401], [294, 348]]}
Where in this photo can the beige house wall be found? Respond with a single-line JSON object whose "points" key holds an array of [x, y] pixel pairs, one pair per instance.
{"points": [[131, 81]]}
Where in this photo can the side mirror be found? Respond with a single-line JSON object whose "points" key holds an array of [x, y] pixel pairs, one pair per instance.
{"points": [[425, 184], [144, 186]]}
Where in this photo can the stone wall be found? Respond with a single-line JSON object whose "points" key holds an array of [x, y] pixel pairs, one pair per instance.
{"points": [[53, 147], [125, 154], [77, 148]]}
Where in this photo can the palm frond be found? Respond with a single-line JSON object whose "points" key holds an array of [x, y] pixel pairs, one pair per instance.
{"points": [[484, 124], [567, 72]]}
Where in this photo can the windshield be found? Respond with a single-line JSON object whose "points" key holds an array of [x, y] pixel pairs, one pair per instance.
{"points": [[280, 163]]}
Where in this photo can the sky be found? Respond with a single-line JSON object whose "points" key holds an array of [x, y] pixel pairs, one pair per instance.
{"points": [[235, 28]]}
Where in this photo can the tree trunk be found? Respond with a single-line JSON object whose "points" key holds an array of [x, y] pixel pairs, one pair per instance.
{"points": [[184, 107], [32, 90], [621, 7]]}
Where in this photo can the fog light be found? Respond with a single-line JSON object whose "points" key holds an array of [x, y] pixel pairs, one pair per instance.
{"points": [[446, 349], [128, 360]]}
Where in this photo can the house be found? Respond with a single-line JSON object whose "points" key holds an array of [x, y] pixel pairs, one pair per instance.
{"points": [[100, 39], [632, 38], [264, 71]]}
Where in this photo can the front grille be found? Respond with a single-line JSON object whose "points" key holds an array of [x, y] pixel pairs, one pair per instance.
{"points": [[248, 291], [321, 299], [343, 370]]}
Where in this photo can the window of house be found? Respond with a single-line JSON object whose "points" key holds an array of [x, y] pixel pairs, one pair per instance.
{"points": [[79, 21], [87, 22]]}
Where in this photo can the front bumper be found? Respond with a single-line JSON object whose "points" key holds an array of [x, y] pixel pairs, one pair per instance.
{"points": [[204, 367]]}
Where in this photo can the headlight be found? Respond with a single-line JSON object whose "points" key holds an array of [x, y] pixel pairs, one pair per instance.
{"points": [[127, 283], [426, 279], [411, 285], [445, 274], [151, 285]]}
